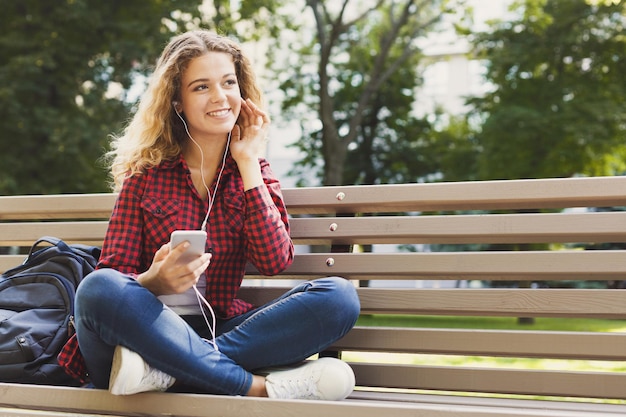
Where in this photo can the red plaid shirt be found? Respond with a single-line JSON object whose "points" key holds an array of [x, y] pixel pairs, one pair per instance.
{"points": [[250, 226]]}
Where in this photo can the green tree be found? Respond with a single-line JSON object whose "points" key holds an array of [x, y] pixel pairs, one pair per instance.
{"points": [[65, 71], [557, 107], [358, 74], [250, 20]]}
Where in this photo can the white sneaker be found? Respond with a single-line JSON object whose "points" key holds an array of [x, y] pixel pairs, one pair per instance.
{"points": [[130, 374], [322, 379]]}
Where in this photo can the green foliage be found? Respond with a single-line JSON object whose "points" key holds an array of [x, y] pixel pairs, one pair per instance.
{"points": [[359, 74], [557, 108], [251, 20], [454, 149], [65, 67]]}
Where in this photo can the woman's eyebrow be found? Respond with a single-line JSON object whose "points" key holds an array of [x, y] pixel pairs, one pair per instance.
{"points": [[203, 80]]}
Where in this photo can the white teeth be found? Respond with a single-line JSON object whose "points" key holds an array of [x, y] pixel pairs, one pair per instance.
{"points": [[218, 113]]}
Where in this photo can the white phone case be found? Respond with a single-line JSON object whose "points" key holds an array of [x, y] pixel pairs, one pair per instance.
{"points": [[197, 239]]}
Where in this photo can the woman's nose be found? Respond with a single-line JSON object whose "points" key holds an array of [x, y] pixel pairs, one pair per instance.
{"points": [[217, 94]]}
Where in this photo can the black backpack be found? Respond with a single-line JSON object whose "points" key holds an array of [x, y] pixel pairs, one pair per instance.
{"points": [[36, 310]]}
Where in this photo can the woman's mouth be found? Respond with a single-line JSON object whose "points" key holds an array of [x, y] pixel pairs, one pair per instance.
{"points": [[219, 113]]}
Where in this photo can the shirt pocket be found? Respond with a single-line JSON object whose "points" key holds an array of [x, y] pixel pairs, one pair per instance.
{"points": [[160, 215], [234, 211]]}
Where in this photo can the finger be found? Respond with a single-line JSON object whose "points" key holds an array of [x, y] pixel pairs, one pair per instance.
{"points": [[253, 106], [246, 111], [178, 251], [202, 263], [162, 252], [195, 269], [263, 120], [261, 116]]}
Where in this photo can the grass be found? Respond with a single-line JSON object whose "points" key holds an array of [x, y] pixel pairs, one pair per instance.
{"points": [[495, 323]]}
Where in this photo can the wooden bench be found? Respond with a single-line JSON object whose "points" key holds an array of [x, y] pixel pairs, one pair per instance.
{"points": [[327, 221]]}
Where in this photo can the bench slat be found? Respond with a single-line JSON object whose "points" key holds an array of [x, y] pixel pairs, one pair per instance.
{"points": [[14, 412], [85, 206], [475, 195], [25, 234], [497, 381], [9, 261], [503, 266], [511, 194], [513, 302], [516, 228], [462, 229], [523, 265], [500, 343], [93, 401], [526, 406], [419, 405], [608, 304]]}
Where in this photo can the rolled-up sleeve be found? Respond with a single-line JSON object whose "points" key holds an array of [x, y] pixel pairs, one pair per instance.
{"points": [[268, 244]]}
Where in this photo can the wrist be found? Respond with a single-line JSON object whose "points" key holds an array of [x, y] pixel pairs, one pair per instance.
{"points": [[250, 174], [145, 281]]}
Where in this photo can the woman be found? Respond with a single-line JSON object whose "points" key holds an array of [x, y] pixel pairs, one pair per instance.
{"points": [[188, 160]]}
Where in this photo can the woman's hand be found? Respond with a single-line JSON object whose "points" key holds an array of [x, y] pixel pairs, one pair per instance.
{"points": [[248, 141], [249, 136], [168, 276]]}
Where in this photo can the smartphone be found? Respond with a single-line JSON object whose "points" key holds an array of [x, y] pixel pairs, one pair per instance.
{"points": [[197, 240]]}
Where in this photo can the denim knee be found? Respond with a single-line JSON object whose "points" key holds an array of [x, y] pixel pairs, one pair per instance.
{"points": [[102, 288], [345, 297], [95, 286]]}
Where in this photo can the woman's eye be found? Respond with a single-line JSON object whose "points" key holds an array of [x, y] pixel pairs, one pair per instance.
{"points": [[231, 82], [201, 87]]}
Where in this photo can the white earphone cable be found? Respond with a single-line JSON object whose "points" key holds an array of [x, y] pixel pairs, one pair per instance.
{"points": [[201, 299]]}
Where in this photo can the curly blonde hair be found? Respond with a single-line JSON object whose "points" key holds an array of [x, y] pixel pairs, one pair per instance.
{"points": [[155, 133]]}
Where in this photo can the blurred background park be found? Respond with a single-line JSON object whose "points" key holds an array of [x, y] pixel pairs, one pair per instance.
{"points": [[360, 91]]}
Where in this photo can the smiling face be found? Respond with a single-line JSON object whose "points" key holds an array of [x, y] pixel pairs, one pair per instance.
{"points": [[210, 95]]}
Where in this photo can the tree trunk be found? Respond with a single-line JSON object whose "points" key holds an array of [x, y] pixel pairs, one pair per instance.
{"points": [[334, 158]]}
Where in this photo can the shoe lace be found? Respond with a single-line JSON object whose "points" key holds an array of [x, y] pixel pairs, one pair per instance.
{"points": [[298, 389], [156, 377], [303, 386]]}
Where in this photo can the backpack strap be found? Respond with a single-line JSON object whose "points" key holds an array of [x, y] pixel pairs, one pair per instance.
{"points": [[54, 241]]}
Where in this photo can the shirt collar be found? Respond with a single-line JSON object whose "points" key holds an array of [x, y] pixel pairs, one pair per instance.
{"points": [[173, 163]]}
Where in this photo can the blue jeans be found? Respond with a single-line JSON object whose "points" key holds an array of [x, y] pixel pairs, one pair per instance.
{"points": [[113, 309]]}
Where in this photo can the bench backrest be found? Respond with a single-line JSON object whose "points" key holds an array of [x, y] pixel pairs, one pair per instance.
{"points": [[535, 223]]}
